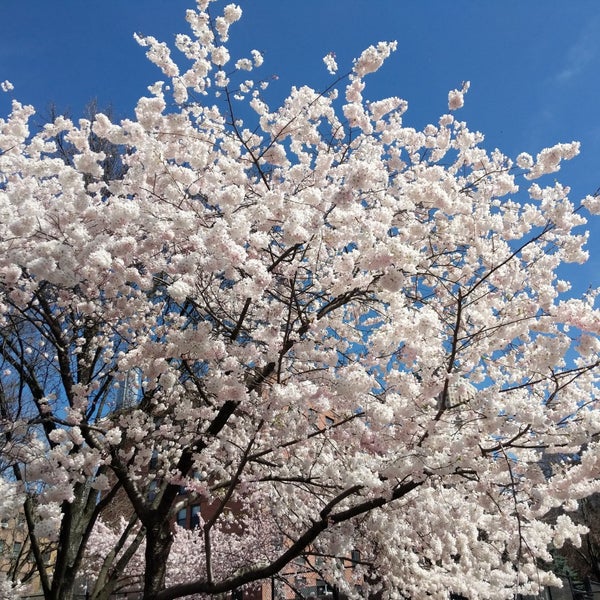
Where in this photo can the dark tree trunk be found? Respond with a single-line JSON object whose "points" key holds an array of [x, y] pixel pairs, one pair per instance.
{"points": [[63, 588], [159, 539]]}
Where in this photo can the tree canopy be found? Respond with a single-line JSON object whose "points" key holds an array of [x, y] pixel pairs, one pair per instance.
{"points": [[247, 270]]}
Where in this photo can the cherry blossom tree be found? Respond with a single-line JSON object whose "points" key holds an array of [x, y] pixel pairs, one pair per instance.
{"points": [[112, 565], [190, 323]]}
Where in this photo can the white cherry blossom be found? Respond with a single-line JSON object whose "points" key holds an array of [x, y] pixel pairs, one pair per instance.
{"points": [[339, 332]]}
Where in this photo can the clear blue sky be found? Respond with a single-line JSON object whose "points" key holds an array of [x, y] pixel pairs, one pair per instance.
{"points": [[534, 65]]}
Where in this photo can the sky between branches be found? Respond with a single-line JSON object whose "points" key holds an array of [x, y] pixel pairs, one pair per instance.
{"points": [[533, 65]]}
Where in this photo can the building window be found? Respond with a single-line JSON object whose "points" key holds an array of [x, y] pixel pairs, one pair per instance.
{"points": [[153, 461], [189, 517], [195, 517], [322, 588], [16, 549], [182, 517], [152, 490]]}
